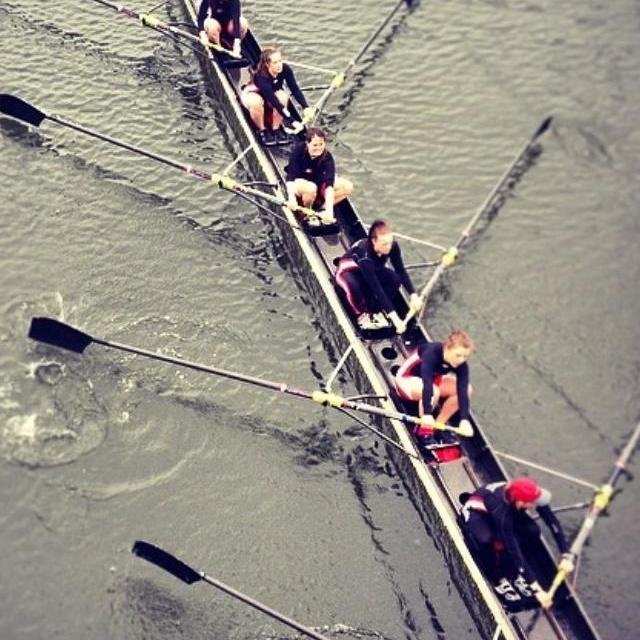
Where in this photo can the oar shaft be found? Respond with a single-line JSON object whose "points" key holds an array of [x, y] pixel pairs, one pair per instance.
{"points": [[374, 35], [599, 504], [130, 147], [148, 20], [449, 258], [232, 375], [339, 78], [263, 607]]}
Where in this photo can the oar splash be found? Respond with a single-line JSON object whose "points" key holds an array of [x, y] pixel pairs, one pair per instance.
{"points": [[59, 334]]}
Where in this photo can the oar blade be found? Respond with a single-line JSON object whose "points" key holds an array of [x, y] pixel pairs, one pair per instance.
{"points": [[546, 123], [166, 561], [21, 110], [59, 334]]}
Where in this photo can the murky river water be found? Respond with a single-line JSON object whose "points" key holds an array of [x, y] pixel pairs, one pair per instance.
{"points": [[272, 495]]}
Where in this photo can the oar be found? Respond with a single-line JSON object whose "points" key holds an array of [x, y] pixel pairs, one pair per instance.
{"points": [[184, 572], [339, 78], [20, 109], [600, 502], [148, 20], [59, 334], [449, 257]]}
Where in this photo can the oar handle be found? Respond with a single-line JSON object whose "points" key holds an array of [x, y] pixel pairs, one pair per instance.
{"points": [[448, 258]]}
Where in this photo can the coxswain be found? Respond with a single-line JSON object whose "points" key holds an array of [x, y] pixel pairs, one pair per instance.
{"points": [[220, 20], [435, 372], [311, 176], [267, 100], [369, 285], [496, 518]]}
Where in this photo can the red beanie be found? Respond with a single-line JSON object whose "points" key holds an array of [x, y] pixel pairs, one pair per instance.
{"points": [[527, 490]]}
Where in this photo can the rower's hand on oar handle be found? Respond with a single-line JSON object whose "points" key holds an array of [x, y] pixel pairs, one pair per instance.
{"points": [[544, 598], [415, 302], [399, 324], [465, 429], [236, 50], [309, 114], [566, 564]]}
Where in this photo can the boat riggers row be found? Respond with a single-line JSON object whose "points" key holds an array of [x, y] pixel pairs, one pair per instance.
{"points": [[421, 388]]}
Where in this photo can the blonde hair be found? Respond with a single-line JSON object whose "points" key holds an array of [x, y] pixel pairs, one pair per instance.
{"points": [[458, 338]]}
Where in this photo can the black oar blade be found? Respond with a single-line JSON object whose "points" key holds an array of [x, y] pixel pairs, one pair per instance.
{"points": [[165, 561], [18, 108], [546, 123], [59, 334]]}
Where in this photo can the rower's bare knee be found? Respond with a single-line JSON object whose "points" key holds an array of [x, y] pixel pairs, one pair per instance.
{"points": [[212, 29], [470, 390]]}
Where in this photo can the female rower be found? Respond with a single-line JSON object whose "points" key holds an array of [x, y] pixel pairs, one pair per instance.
{"points": [[369, 285], [222, 19], [267, 100], [311, 175], [438, 371]]}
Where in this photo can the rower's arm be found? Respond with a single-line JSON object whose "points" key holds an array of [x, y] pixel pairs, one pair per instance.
{"points": [[462, 390], [292, 83], [555, 527], [427, 372], [202, 13], [398, 265], [235, 16]]}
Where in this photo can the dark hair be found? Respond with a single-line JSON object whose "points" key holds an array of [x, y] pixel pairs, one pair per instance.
{"points": [[377, 227], [313, 132]]}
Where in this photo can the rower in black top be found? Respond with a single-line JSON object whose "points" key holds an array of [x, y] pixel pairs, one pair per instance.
{"points": [[268, 101], [220, 20], [438, 371], [496, 520], [311, 176], [369, 286]]}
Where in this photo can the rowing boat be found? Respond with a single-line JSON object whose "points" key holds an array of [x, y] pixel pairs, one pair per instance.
{"points": [[373, 358]]}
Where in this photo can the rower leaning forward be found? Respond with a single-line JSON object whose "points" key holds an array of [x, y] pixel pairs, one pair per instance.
{"points": [[437, 375], [268, 101], [372, 289], [220, 21], [495, 519]]}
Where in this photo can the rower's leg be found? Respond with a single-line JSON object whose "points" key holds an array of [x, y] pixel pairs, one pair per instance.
{"points": [[244, 27], [449, 393], [254, 104], [283, 99], [213, 29], [342, 188], [306, 191]]}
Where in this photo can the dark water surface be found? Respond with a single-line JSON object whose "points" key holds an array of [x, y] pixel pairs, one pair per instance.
{"points": [[271, 495]]}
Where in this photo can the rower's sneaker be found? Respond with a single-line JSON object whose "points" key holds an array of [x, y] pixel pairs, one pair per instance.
{"points": [[266, 138], [372, 322], [280, 136]]}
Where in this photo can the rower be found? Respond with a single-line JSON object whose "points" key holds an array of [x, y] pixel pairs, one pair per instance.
{"points": [[369, 286], [268, 101], [435, 372], [495, 517], [222, 19], [311, 176]]}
